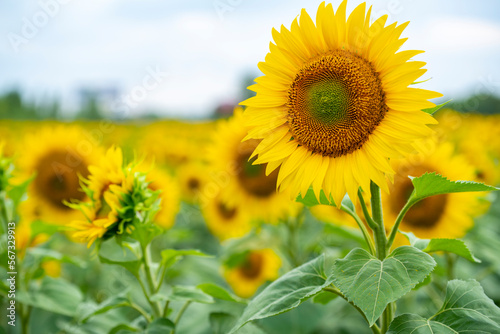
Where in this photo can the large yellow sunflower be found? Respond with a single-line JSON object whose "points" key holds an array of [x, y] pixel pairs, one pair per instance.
{"points": [[57, 156], [441, 216], [334, 103], [241, 182], [258, 267]]}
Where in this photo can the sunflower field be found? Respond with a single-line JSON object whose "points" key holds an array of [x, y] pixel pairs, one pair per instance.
{"points": [[338, 198]]}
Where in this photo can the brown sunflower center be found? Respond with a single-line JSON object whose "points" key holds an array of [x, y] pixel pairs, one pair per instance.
{"points": [[193, 184], [253, 177], [57, 177], [334, 103], [252, 266], [426, 213], [225, 211]]}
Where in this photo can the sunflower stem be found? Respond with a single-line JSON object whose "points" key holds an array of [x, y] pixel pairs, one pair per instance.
{"points": [[398, 221], [381, 246], [179, 315], [379, 231], [362, 227], [368, 217], [150, 280]]}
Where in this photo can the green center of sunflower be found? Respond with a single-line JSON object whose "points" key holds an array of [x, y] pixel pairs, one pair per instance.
{"points": [[334, 103], [424, 214], [252, 177], [57, 178], [328, 102]]}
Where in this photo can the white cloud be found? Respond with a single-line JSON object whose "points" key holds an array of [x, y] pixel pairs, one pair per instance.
{"points": [[461, 34]]}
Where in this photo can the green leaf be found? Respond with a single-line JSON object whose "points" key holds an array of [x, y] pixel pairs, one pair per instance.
{"points": [[431, 184], [171, 256], [160, 326], [436, 108], [310, 200], [466, 309], [454, 246], [287, 292], [58, 296], [123, 329], [190, 293], [128, 257], [49, 254], [324, 297], [221, 323], [371, 284], [219, 292], [108, 304]]}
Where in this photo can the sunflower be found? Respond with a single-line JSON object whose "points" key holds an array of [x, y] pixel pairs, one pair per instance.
{"points": [[57, 156], [192, 179], [334, 103], [256, 268], [109, 185], [224, 220], [169, 196], [440, 216], [241, 182]]}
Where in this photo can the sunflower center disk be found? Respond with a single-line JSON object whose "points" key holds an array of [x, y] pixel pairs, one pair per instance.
{"points": [[252, 266], [334, 103], [253, 177], [57, 180]]}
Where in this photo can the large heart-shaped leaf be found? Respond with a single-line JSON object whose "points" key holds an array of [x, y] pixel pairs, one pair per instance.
{"points": [[466, 309], [287, 292], [371, 284]]}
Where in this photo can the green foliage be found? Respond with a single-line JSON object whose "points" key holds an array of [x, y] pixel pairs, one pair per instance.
{"points": [[129, 257], [190, 293], [109, 304], [287, 292], [160, 326], [54, 295], [219, 293], [466, 309], [436, 108], [171, 256], [310, 199], [431, 184], [371, 284], [454, 246]]}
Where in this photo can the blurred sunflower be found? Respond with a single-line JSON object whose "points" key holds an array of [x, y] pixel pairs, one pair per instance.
{"points": [[256, 268], [225, 221], [160, 180], [192, 179], [57, 156], [241, 182], [334, 103], [440, 216]]}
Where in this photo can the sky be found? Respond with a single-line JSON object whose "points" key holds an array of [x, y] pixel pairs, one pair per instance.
{"points": [[184, 57]]}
